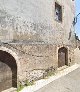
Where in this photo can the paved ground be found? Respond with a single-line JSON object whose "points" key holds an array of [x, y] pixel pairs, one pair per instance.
{"points": [[67, 83]]}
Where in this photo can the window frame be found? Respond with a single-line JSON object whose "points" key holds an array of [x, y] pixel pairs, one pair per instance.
{"points": [[57, 5]]}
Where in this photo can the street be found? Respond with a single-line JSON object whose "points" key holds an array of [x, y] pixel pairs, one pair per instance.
{"points": [[67, 83]]}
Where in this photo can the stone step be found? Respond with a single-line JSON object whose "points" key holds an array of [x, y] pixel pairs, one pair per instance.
{"points": [[62, 68], [12, 89]]}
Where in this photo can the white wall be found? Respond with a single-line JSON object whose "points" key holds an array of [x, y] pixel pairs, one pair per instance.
{"points": [[34, 20]]}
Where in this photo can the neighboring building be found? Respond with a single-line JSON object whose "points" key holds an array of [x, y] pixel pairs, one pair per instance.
{"points": [[35, 35]]}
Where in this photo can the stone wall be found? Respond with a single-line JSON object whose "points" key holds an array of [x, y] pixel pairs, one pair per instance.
{"points": [[33, 59], [33, 36], [77, 55]]}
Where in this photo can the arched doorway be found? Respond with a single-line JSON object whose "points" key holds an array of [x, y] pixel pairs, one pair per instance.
{"points": [[8, 71], [62, 57]]}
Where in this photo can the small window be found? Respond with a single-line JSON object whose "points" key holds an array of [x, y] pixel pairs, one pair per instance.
{"points": [[58, 12]]}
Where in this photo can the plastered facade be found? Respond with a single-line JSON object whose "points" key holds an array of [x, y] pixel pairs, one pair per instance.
{"points": [[29, 30]]}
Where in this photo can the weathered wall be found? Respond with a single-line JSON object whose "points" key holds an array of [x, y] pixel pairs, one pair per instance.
{"points": [[34, 20], [77, 55], [32, 60], [35, 35]]}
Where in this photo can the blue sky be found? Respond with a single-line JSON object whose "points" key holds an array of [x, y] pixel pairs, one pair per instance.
{"points": [[77, 27]]}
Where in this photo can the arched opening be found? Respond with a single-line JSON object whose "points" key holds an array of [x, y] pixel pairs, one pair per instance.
{"points": [[62, 57], [8, 71]]}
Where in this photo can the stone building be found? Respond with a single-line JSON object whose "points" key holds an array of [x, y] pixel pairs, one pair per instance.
{"points": [[35, 35]]}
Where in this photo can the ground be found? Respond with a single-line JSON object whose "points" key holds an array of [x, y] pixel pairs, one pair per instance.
{"points": [[67, 83]]}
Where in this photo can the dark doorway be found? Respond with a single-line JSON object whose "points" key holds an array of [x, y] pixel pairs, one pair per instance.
{"points": [[8, 71], [62, 57]]}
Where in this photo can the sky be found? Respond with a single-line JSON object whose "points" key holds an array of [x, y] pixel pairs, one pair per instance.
{"points": [[77, 27]]}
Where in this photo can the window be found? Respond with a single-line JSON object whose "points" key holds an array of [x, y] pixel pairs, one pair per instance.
{"points": [[58, 12]]}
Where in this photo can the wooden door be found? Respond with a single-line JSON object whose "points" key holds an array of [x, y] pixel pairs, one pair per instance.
{"points": [[5, 76], [62, 57]]}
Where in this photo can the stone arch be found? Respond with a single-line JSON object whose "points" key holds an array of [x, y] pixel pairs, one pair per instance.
{"points": [[62, 56], [8, 69]]}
